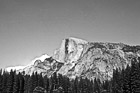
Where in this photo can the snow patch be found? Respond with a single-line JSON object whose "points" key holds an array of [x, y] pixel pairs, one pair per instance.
{"points": [[41, 58], [14, 68]]}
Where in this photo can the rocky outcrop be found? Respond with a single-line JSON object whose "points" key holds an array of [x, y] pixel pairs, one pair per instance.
{"points": [[46, 67]]}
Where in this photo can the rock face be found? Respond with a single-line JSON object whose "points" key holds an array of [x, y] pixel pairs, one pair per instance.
{"points": [[87, 59], [77, 57], [70, 50], [46, 67]]}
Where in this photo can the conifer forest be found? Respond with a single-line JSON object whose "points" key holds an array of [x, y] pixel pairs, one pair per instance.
{"points": [[123, 81]]}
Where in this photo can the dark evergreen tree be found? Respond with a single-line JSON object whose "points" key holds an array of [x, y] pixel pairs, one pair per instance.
{"points": [[31, 86], [66, 84], [40, 80], [90, 86], [46, 83], [10, 82], [22, 81], [135, 77], [81, 85], [26, 77], [87, 86], [117, 82], [127, 81], [75, 85], [54, 80], [97, 86], [16, 85], [51, 84], [4, 82], [35, 78], [1, 78], [106, 86]]}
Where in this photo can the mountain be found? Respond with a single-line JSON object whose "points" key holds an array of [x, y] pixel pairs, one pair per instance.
{"points": [[28, 68], [77, 57], [93, 59]]}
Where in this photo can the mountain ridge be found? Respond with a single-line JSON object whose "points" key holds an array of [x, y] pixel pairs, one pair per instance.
{"points": [[77, 57]]}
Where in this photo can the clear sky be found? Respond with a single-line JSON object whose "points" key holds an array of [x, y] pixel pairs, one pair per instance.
{"points": [[29, 28]]}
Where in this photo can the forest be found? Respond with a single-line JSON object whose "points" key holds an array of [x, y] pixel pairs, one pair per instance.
{"points": [[123, 81]]}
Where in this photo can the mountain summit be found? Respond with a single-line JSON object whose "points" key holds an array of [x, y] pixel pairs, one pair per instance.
{"points": [[70, 50], [77, 57]]}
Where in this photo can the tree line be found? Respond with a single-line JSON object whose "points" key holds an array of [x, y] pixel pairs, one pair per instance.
{"points": [[123, 81]]}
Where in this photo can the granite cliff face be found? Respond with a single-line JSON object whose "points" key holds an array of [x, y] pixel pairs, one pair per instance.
{"points": [[87, 59], [70, 50], [77, 57]]}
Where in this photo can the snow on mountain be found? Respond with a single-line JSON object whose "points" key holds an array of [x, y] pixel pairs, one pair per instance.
{"points": [[41, 58], [22, 68], [14, 68]]}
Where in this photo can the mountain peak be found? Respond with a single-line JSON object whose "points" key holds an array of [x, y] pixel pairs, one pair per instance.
{"points": [[70, 46], [33, 62], [41, 58], [77, 40]]}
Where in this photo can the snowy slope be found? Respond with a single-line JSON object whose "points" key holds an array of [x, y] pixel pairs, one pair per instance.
{"points": [[41, 58], [14, 68]]}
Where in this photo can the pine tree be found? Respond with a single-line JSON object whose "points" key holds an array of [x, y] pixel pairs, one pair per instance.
{"points": [[10, 82], [97, 85], [66, 84], [87, 86], [114, 79], [1, 81], [75, 85], [16, 85], [117, 82], [4, 82], [81, 85], [36, 76], [46, 83], [106, 85], [51, 84], [31, 86], [22, 81], [90, 86], [127, 81], [26, 77], [54, 80], [40, 80], [60, 80], [135, 77]]}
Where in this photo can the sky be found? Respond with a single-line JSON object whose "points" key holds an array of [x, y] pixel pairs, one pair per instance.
{"points": [[30, 28]]}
